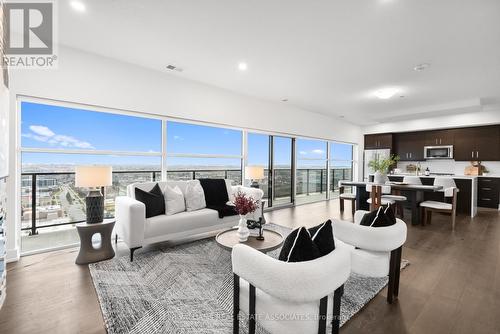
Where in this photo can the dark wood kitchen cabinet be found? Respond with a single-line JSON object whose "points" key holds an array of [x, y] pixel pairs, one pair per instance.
{"points": [[488, 193], [439, 137], [378, 141], [478, 143], [409, 146]]}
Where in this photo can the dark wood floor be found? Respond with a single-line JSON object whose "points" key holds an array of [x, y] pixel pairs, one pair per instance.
{"points": [[451, 286]]}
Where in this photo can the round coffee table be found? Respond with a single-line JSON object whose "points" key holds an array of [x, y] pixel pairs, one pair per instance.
{"points": [[272, 240]]}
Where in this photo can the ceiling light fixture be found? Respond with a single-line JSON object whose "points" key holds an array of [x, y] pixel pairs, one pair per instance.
{"points": [[242, 66], [386, 93], [78, 6], [421, 67]]}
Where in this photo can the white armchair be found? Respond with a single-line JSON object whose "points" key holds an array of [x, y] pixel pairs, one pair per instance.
{"points": [[376, 251], [286, 298]]}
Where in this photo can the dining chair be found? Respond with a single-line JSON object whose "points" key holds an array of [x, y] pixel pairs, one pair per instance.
{"points": [[450, 190], [377, 196], [343, 196]]}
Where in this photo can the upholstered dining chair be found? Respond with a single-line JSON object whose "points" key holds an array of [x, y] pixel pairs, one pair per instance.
{"points": [[400, 199], [375, 251], [343, 196], [450, 190], [287, 298]]}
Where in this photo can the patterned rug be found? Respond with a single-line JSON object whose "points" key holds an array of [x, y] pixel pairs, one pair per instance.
{"points": [[188, 289]]}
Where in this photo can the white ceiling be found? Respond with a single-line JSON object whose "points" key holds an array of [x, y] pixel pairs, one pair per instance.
{"points": [[325, 56]]}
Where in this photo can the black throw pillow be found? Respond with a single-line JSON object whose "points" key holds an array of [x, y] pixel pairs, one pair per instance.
{"points": [[383, 216], [322, 236], [298, 247], [215, 191], [153, 200]]}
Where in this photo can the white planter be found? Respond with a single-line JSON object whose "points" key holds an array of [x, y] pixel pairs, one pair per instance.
{"points": [[379, 178], [243, 231]]}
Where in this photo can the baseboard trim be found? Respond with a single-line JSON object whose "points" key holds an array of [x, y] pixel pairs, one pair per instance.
{"points": [[12, 255]]}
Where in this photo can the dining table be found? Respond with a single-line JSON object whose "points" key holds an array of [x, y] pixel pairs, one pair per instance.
{"points": [[413, 192]]}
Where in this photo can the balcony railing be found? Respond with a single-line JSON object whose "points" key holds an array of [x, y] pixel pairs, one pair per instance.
{"points": [[50, 199]]}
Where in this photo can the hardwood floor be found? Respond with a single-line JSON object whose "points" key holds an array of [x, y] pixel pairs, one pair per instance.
{"points": [[451, 286]]}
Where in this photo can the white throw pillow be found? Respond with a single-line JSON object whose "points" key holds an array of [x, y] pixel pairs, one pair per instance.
{"points": [[195, 197], [229, 188], [174, 200]]}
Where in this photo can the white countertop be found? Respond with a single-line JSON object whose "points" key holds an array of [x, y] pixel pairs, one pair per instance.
{"points": [[456, 176]]}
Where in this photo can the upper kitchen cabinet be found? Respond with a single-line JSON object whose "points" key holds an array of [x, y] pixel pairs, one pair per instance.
{"points": [[439, 137], [478, 143], [409, 146], [378, 141]]}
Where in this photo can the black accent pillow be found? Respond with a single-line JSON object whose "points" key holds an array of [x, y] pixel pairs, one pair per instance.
{"points": [[298, 247], [153, 200], [215, 191], [322, 236], [383, 216]]}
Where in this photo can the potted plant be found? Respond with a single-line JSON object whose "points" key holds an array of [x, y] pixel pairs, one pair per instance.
{"points": [[381, 166], [244, 205]]}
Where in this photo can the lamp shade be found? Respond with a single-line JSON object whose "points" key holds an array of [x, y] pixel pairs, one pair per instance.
{"points": [[93, 176], [254, 172]]}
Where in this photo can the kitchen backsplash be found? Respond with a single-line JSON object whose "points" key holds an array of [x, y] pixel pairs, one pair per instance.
{"points": [[450, 166]]}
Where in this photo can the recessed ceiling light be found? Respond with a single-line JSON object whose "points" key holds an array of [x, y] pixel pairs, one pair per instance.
{"points": [[242, 66], [386, 93], [421, 67], [78, 6]]}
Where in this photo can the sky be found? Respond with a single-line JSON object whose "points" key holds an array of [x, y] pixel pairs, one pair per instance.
{"points": [[47, 126]]}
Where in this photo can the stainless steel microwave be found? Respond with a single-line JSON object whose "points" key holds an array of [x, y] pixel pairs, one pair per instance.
{"points": [[438, 152]]}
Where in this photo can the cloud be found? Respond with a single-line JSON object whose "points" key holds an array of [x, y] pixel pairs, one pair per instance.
{"points": [[318, 151], [302, 152], [178, 138], [42, 130], [44, 134]]}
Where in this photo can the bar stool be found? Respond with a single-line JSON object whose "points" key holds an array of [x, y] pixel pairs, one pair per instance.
{"points": [[343, 196], [376, 196]]}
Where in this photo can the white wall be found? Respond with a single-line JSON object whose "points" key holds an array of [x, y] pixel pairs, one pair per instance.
{"points": [[94, 80], [97, 81]]}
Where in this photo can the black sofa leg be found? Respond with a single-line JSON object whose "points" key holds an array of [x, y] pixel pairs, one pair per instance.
{"points": [[236, 304], [116, 239], [132, 250], [336, 309], [394, 272]]}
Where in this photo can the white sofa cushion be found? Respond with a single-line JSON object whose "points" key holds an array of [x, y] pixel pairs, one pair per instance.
{"points": [[174, 200], [194, 196], [182, 222]]}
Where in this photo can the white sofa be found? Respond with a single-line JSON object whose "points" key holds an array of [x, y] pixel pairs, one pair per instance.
{"points": [[289, 298], [136, 230], [375, 251]]}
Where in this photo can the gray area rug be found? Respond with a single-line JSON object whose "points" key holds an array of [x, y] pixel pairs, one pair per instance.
{"points": [[188, 289]]}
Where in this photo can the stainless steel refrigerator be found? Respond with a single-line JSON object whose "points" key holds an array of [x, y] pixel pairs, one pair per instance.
{"points": [[373, 155]]}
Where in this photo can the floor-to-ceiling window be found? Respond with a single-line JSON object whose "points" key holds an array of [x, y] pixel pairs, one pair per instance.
{"points": [[341, 165], [199, 151], [258, 156], [55, 139], [311, 174], [282, 170]]}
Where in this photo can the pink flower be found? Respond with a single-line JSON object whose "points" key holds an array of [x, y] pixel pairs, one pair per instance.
{"points": [[245, 205]]}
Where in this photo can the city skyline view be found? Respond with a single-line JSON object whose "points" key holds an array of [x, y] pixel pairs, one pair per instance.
{"points": [[50, 127]]}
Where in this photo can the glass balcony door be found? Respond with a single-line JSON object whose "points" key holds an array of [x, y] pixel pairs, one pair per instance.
{"points": [[282, 171]]}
